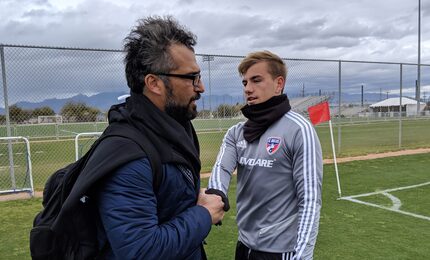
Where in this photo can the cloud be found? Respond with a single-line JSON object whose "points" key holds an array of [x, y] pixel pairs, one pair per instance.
{"points": [[334, 29], [330, 29], [35, 13]]}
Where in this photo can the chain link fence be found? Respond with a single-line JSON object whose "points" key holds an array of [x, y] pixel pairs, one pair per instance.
{"points": [[50, 95]]}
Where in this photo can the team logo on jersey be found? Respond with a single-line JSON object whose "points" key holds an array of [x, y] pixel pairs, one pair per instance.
{"points": [[272, 144]]}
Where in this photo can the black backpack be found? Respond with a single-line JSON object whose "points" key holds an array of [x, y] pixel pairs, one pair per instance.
{"points": [[66, 227]]}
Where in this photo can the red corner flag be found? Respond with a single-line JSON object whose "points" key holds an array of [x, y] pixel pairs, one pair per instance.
{"points": [[319, 113]]}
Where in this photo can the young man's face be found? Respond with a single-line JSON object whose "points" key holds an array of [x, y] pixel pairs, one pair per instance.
{"points": [[259, 85], [182, 93]]}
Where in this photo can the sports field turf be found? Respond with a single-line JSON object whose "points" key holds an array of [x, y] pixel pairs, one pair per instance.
{"points": [[49, 154], [348, 230]]}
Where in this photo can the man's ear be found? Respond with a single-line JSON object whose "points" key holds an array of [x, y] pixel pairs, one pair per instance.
{"points": [[153, 84], [280, 83]]}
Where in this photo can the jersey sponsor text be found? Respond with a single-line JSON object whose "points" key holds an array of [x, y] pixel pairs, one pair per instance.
{"points": [[256, 162]]}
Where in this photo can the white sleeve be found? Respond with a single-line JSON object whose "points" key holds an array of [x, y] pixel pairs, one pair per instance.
{"points": [[225, 164], [307, 175]]}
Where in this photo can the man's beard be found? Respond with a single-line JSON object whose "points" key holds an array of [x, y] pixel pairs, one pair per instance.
{"points": [[180, 113]]}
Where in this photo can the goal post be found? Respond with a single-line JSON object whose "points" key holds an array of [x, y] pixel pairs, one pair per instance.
{"points": [[15, 177], [79, 149]]}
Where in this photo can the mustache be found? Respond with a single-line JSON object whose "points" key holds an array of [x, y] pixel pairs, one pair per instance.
{"points": [[196, 97]]}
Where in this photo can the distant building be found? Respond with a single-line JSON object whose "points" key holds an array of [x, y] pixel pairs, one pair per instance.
{"points": [[391, 105], [301, 104]]}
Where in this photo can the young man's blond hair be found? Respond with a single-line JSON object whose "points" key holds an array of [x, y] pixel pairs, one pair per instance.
{"points": [[276, 65]]}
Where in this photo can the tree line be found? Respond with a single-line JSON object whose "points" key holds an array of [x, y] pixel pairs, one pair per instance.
{"points": [[222, 111], [71, 112], [81, 112]]}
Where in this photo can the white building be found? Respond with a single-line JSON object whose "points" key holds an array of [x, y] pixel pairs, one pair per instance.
{"points": [[393, 105]]}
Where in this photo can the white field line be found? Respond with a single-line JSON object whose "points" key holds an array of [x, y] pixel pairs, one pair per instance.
{"points": [[1, 154], [387, 208], [389, 190], [67, 131], [4, 168], [396, 202]]}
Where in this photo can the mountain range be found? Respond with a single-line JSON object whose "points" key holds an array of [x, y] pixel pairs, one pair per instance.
{"points": [[101, 101], [104, 100]]}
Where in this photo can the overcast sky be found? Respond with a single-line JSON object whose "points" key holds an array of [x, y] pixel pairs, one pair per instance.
{"points": [[332, 29], [371, 30]]}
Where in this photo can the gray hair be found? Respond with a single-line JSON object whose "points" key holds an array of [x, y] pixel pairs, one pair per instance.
{"points": [[147, 48]]}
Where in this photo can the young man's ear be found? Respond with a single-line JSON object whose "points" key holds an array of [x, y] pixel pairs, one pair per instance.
{"points": [[280, 83], [153, 84]]}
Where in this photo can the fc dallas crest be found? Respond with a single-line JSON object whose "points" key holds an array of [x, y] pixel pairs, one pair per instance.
{"points": [[272, 144]]}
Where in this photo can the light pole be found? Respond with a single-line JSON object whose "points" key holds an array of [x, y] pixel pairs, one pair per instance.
{"points": [[209, 58]]}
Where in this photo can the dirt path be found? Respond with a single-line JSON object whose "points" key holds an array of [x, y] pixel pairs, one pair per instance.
{"points": [[378, 155], [364, 157], [326, 161], [19, 196]]}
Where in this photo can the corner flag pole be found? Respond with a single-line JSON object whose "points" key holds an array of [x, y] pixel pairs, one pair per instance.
{"points": [[321, 113], [334, 159]]}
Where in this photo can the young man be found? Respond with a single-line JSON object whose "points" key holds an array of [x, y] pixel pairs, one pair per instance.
{"points": [[279, 168], [138, 220]]}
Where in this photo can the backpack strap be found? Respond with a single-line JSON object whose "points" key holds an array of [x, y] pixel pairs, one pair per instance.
{"points": [[130, 132], [76, 184]]}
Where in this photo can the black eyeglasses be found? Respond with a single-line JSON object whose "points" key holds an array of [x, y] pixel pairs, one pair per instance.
{"points": [[195, 77]]}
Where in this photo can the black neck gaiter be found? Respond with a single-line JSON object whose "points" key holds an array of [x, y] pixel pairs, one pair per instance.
{"points": [[261, 116], [175, 142]]}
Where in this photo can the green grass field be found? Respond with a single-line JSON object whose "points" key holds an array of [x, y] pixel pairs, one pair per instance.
{"points": [[356, 139], [347, 230]]}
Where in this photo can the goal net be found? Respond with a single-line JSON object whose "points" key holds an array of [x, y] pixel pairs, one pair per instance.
{"points": [[15, 166]]}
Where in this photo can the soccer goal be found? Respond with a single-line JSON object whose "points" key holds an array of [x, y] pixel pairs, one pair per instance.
{"points": [[15, 165], [83, 142], [57, 119]]}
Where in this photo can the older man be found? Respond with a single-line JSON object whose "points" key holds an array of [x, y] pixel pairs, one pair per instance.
{"points": [[138, 220]]}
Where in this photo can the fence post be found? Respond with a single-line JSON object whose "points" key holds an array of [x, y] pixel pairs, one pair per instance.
{"points": [[6, 107], [339, 111], [209, 58], [400, 105], [418, 91]]}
